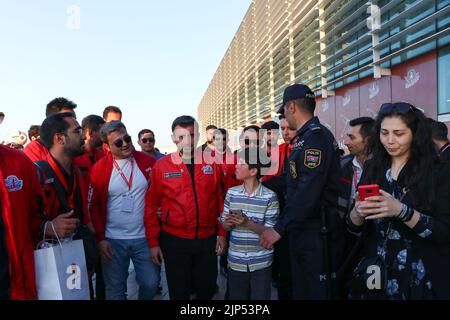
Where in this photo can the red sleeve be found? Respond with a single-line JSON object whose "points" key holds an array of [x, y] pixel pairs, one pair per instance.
{"points": [[220, 197], [94, 204], [152, 203]]}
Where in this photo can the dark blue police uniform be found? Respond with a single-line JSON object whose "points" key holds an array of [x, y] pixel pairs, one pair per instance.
{"points": [[311, 182]]}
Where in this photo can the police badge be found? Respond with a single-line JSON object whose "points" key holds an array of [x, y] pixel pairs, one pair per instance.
{"points": [[293, 166]]}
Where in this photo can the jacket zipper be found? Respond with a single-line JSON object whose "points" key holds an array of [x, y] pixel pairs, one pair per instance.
{"points": [[196, 204]]}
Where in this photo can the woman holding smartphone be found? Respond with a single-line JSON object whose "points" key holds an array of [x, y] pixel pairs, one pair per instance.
{"points": [[408, 223]]}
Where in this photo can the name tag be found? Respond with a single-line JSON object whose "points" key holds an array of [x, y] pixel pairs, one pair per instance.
{"points": [[173, 175], [127, 203]]}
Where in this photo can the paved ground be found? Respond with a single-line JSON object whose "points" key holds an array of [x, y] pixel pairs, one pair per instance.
{"points": [[133, 288]]}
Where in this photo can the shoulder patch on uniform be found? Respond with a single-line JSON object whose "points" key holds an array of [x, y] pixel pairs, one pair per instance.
{"points": [[12, 183], [169, 175], [313, 158]]}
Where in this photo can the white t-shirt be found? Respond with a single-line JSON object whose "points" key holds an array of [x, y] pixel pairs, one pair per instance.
{"points": [[120, 223]]}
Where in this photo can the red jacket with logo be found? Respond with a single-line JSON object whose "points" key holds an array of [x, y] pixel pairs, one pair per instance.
{"points": [[19, 193], [227, 161], [173, 192], [98, 191], [86, 161], [51, 202], [36, 151]]}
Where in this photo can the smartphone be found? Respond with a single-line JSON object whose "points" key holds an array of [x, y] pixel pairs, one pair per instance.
{"points": [[237, 212], [369, 190]]}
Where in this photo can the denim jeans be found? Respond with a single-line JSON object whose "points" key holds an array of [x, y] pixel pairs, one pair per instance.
{"points": [[115, 272]]}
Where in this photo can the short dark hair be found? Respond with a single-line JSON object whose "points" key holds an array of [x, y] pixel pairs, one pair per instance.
{"points": [[366, 125], [184, 122], [211, 126], [308, 105], [252, 157], [439, 131], [144, 131], [270, 125], [53, 124], [111, 127], [109, 109], [57, 104], [92, 122], [252, 127], [33, 131], [222, 131]]}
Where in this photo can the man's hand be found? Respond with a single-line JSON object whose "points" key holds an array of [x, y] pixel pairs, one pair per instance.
{"points": [[221, 245], [268, 238], [63, 224], [106, 251], [156, 255]]}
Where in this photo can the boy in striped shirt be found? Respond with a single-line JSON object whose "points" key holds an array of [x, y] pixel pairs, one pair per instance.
{"points": [[248, 210]]}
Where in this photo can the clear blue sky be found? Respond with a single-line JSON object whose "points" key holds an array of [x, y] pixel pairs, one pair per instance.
{"points": [[154, 59]]}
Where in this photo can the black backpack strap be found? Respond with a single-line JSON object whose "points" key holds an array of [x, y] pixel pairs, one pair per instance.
{"points": [[59, 189]]}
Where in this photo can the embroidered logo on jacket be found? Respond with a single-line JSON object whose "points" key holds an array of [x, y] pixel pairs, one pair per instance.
{"points": [[312, 158], [13, 183], [208, 170]]}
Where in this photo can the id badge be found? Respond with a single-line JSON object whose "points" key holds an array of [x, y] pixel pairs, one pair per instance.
{"points": [[127, 203]]}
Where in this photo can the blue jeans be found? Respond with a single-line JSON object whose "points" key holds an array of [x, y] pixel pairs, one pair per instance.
{"points": [[115, 272]]}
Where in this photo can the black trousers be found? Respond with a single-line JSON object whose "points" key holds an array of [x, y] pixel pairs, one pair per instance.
{"points": [[191, 266], [307, 264], [282, 269]]}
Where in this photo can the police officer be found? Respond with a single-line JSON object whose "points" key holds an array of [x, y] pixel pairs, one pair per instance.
{"points": [[310, 217]]}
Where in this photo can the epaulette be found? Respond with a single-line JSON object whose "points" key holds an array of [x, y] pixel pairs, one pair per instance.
{"points": [[316, 129]]}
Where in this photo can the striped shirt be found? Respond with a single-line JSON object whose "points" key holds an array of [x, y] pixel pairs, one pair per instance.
{"points": [[245, 253]]}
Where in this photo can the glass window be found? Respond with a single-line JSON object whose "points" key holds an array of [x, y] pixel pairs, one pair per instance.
{"points": [[444, 80]]}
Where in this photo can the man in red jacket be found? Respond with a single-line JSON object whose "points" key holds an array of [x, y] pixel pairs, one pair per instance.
{"points": [[119, 182], [19, 224], [36, 150], [189, 192], [93, 147]]}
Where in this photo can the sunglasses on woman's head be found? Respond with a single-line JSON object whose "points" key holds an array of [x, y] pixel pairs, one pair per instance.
{"points": [[119, 142], [400, 107], [148, 140]]}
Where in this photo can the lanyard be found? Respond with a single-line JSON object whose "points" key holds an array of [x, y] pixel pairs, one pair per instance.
{"points": [[128, 182], [62, 179], [355, 176]]}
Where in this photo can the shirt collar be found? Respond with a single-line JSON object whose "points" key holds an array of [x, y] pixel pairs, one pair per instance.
{"points": [[256, 193]]}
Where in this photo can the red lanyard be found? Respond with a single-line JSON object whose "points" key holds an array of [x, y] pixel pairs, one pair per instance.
{"points": [[63, 180], [128, 182]]}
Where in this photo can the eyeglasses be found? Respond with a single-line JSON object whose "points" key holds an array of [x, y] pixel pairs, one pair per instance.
{"points": [[119, 142], [148, 140], [247, 141], [399, 107]]}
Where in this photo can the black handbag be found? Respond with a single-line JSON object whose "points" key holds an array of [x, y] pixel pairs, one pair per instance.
{"points": [[369, 278]]}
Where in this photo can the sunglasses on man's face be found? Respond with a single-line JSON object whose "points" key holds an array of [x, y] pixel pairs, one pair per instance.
{"points": [[148, 140], [399, 107], [119, 142]]}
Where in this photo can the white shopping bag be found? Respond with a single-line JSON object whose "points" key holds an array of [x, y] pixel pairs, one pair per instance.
{"points": [[61, 272]]}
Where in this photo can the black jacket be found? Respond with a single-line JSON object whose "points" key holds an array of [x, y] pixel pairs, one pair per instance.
{"points": [[435, 248]]}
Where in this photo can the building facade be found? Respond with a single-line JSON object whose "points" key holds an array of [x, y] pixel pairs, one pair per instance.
{"points": [[354, 54]]}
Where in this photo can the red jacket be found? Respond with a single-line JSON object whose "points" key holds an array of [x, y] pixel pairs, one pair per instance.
{"points": [[19, 191], [86, 161], [284, 150], [172, 190], [98, 191], [36, 151], [227, 161], [51, 202]]}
